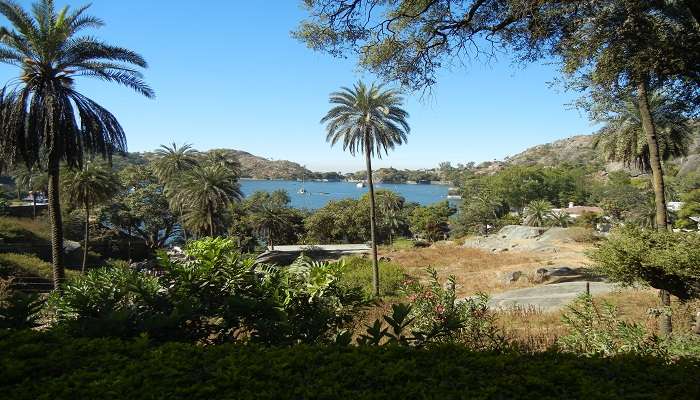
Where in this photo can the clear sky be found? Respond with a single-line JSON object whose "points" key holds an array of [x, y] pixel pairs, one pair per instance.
{"points": [[228, 75]]}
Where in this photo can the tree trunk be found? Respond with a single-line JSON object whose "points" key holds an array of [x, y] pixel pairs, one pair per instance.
{"points": [[33, 205], [87, 236], [665, 326], [56, 223], [372, 220]]}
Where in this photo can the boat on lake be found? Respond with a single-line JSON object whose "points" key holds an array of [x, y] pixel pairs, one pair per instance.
{"points": [[360, 185]]}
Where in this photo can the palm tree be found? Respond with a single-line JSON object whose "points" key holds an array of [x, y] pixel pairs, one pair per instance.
{"points": [[30, 179], [559, 218], [38, 116], [204, 192], [623, 138], [538, 212], [367, 120], [91, 185], [269, 220], [172, 162], [643, 131]]}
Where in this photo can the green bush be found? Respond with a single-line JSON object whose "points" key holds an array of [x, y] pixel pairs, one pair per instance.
{"points": [[596, 328], [211, 295], [46, 366], [18, 310], [358, 273], [24, 231]]}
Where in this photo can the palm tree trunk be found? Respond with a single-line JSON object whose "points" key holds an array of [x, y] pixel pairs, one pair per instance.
{"points": [[87, 235], [372, 219], [56, 222], [665, 323]]}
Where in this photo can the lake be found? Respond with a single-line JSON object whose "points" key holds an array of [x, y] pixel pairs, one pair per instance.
{"points": [[320, 193]]}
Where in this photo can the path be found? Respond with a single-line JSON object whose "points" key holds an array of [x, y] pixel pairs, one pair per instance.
{"points": [[550, 297]]}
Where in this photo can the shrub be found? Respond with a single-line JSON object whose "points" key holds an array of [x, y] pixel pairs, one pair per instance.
{"points": [[43, 366], [583, 235], [212, 295], [598, 329], [358, 273], [24, 231], [18, 310], [660, 259], [435, 308]]}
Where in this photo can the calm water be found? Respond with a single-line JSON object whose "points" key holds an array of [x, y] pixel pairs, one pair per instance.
{"points": [[320, 193]]}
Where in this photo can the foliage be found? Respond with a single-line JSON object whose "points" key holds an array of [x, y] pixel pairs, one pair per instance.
{"points": [[623, 138], [438, 313], [690, 208], [596, 329], [143, 211], [212, 295], [18, 310], [62, 367], [204, 192], [272, 219], [660, 259], [431, 222], [560, 219], [538, 213], [358, 273]]}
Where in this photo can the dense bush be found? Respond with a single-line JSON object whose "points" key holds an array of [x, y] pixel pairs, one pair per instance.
{"points": [[596, 328], [661, 259], [212, 294], [358, 273], [18, 310], [35, 365]]}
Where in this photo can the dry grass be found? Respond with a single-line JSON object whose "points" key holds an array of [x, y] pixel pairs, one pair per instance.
{"points": [[475, 270]]}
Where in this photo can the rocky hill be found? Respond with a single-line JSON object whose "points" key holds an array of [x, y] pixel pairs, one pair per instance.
{"points": [[578, 150], [256, 167]]}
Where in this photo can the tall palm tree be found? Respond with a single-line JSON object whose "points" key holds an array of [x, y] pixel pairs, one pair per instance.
{"points": [[538, 212], [645, 130], [204, 192], [38, 115], [31, 180], [367, 120], [269, 220], [623, 138], [89, 186], [173, 161]]}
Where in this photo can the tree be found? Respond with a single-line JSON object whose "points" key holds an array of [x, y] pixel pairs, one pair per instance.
{"points": [[39, 116], [690, 208], [538, 212], [204, 193], [431, 222], [560, 219], [172, 162], [623, 138], [368, 120], [272, 219], [31, 180], [87, 187]]}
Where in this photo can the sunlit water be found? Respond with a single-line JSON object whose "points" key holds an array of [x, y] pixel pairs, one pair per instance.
{"points": [[319, 193]]}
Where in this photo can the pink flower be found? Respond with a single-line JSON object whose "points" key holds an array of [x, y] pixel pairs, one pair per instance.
{"points": [[440, 309]]}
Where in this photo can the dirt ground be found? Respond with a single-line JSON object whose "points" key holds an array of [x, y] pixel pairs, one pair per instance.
{"points": [[479, 270]]}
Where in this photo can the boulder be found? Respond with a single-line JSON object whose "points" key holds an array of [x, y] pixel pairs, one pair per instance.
{"points": [[520, 232], [512, 277]]}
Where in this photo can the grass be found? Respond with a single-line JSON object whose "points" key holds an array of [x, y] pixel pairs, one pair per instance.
{"points": [[476, 270], [24, 230], [24, 264], [358, 272]]}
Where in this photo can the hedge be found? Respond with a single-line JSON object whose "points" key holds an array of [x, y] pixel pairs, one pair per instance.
{"points": [[47, 366]]}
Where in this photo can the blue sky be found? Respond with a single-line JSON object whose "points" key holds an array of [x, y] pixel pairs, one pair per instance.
{"points": [[228, 75]]}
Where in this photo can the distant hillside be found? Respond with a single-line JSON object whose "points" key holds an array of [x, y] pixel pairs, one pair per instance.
{"points": [[261, 168], [578, 150], [252, 166]]}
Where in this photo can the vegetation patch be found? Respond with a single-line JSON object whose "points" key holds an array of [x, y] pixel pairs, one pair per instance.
{"points": [[358, 273], [36, 365]]}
